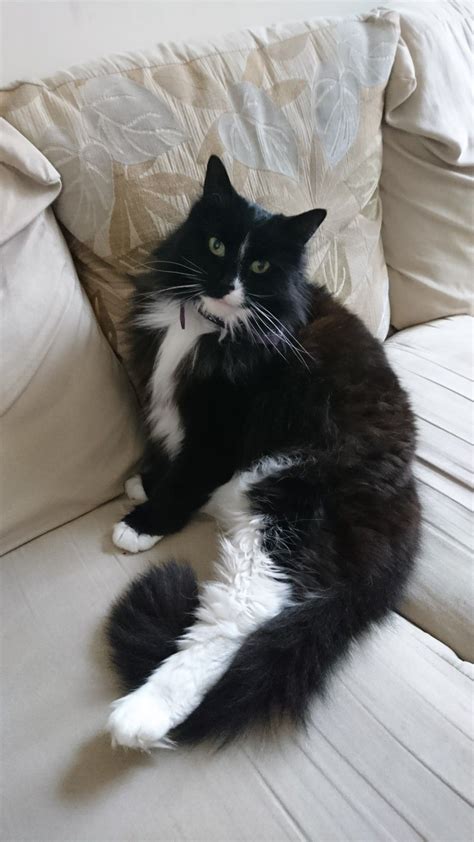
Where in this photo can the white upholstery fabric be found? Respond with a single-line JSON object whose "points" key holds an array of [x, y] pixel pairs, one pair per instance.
{"points": [[435, 363], [69, 429], [427, 179], [387, 757]]}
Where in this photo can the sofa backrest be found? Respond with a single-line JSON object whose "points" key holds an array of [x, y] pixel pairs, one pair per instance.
{"points": [[294, 110], [427, 184]]}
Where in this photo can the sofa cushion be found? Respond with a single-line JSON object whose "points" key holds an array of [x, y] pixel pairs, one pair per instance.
{"points": [[69, 430], [435, 363], [374, 764], [428, 177], [294, 110], [29, 182]]}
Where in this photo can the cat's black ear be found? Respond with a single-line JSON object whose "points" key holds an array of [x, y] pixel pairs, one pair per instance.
{"points": [[217, 181], [304, 225]]}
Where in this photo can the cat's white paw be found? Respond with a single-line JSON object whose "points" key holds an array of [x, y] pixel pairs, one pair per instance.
{"points": [[140, 720], [134, 489], [125, 538]]}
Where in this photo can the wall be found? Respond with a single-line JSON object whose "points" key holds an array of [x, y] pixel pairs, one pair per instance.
{"points": [[40, 37]]}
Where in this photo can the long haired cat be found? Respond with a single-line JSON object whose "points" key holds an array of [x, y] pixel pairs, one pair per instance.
{"points": [[270, 406]]}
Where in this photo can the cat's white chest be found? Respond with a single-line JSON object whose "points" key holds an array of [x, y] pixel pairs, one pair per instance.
{"points": [[177, 348]]}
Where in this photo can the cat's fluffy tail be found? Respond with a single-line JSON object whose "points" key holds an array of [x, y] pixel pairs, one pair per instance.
{"points": [[272, 676], [147, 620]]}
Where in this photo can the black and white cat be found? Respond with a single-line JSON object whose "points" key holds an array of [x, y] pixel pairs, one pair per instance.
{"points": [[271, 407]]}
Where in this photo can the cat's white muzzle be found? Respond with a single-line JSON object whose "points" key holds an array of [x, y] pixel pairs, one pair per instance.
{"points": [[228, 308]]}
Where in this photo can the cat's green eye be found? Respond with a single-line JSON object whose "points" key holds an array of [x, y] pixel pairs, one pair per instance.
{"points": [[260, 266], [216, 246]]}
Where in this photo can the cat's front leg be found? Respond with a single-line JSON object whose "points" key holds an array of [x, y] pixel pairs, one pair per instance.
{"points": [[171, 505], [135, 489], [154, 467], [137, 531], [163, 514]]}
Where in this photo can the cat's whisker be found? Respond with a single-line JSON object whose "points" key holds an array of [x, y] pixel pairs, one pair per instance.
{"points": [[180, 289], [244, 319], [284, 339], [252, 295], [278, 324], [157, 266], [184, 266], [153, 261], [287, 338], [266, 337], [135, 264], [285, 330], [183, 274], [191, 263], [198, 281], [183, 261], [255, 336]]}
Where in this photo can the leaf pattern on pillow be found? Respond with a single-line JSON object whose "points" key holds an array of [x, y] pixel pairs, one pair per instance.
{"points": [[282, 93], [364, 57], [289, 48], [335, 110], [240, 175], [140, 214], [257, 133], [191, 85], [23, 96], [254, 68], [174, 184], [86, 200], [363, 182], [294, 113], [131, 121], [103, 317], [211, 144], [367, 50], [334, 270]]}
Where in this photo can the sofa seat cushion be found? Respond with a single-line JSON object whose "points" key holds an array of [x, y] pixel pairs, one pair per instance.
{"points": [[373, 765], [435, 363]]}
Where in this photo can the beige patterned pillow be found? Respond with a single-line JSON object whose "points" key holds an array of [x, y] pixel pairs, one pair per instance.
{"points": [[293, 110]]}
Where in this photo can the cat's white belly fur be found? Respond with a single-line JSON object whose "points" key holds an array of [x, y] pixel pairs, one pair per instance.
{"points": [[166, 427], [164, 419]]}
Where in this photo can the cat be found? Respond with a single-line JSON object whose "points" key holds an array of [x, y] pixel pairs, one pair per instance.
{"points": [[270, 406]]}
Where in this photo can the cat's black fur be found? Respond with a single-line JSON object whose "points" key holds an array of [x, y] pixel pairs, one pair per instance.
{"points": [[342, 523]]}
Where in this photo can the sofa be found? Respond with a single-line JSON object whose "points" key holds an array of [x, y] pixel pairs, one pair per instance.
{"points": [[388, 752]]}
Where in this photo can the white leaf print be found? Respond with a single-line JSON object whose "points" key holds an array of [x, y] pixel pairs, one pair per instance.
{"points": [[258, 133], [367, 49], [135, 124], [364, 180], [335, 110], [85, 203], [334, 269]]}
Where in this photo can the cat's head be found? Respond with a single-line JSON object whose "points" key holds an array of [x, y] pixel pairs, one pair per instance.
{"points": [[238, 259]]}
